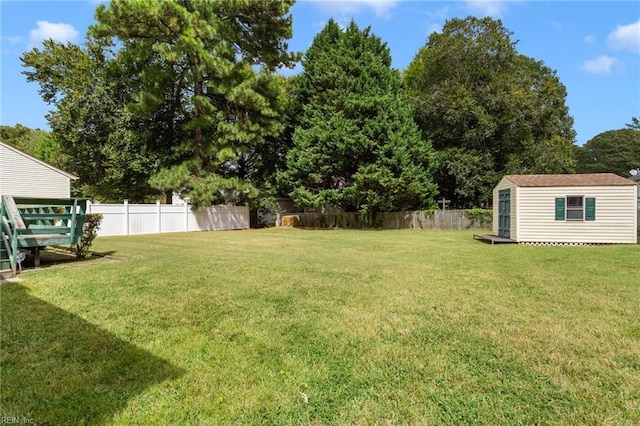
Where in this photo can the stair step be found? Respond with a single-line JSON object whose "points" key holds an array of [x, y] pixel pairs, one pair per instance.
{"points": [[35, 230], [43, 240]]}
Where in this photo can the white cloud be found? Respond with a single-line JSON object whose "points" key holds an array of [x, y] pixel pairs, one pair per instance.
{"points": [[625, 37], [381, 8], [435, 22], [487, 7], [434, 28], [556, 25], [589, 39], [12, 39], [59, 32], [601, 65], [439, 14]]}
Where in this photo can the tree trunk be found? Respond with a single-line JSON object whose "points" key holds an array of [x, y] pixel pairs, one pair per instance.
{"points": [[197, 133]]}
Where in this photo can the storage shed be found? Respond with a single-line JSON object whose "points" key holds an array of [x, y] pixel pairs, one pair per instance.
{"points": [[567, 208], [22, 175]]}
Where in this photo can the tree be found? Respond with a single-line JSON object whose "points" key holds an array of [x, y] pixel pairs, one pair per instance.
{"points": [[355, 145], [614, 151], [488, 109], [36, 142], [113, 153], [200, 67], [635, 123]]}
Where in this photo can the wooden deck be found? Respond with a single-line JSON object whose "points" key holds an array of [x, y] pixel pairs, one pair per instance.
{"points": [[493, 239], [35, 223]]}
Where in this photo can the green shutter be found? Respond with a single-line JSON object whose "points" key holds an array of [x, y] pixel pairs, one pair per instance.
{"points": [[590, 209], [560, 208]]}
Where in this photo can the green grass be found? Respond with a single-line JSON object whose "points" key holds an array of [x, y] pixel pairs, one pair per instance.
{"points": [[285, 326]]}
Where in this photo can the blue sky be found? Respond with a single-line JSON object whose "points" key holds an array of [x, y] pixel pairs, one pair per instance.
{"points": [[594, 46]]}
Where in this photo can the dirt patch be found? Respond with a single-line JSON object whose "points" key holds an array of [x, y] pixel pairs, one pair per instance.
{"points": [[57, 257]]}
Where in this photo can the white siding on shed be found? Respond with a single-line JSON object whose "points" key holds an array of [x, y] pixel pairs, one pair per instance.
{"points": [[24, 176], [536, 218], [615, 222]]}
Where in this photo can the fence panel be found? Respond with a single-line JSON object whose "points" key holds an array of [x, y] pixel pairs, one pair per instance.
{"points": [[137, 219], [441, 219]]}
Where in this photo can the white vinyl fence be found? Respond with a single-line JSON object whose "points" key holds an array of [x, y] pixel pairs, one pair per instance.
{"points": [[136, 219]]}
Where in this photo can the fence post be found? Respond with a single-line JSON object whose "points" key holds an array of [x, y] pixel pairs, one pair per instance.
{"points": [[186, 217], [159, 213], [126, 217]]}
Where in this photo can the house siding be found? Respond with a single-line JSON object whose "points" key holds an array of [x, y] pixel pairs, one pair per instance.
{"points": [[22, 176], [615, 219], [506, 184]]}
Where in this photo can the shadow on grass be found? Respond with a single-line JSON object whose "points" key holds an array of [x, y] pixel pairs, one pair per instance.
{"points": [[60, 369], [61, 256]]}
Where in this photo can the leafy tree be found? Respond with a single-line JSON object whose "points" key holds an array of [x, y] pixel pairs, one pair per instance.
{"points": [[488, 109], [465, 173], [200, 60], [355, 144], [18, 136], [36, 142], [635, 123], [165, 92], [614, 151], [113, 153]]}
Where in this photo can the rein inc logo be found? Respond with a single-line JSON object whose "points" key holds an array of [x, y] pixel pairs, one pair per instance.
{"points": [[16, 421]]}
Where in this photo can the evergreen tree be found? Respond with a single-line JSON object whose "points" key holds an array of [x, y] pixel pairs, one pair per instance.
{"points": [[355, 144], [200, 67], [112, 151], [168, 95]]}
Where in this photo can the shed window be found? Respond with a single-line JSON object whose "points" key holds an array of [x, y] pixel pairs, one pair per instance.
{"points": [[575, 208]]}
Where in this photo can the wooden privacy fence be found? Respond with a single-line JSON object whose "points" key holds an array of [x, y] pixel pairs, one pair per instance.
{"points": [[136, 219], [440, 219]]}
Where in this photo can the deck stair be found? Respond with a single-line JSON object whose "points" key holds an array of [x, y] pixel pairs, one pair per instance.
{"points": [[34, 223]]}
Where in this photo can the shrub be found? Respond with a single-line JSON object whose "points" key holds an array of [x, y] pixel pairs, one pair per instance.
{"points": [[90, 230], [480, 218]]}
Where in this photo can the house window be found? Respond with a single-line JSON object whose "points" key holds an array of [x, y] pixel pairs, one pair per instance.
{"points": [[575, 208]]}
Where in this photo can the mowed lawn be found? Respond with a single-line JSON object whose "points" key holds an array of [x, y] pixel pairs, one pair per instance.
{"points": [[289, 326]]}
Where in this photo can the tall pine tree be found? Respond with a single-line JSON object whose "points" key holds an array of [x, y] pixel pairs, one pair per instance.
{"points": [[355, 144], [113, 152], [209, 64]]}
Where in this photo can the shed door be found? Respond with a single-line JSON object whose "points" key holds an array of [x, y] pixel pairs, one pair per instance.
{"points": [[504, 213]]}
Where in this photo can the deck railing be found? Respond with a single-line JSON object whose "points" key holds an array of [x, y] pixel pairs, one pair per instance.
{"points": [[34, 223]]}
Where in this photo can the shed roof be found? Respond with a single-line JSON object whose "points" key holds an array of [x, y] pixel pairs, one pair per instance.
{"points": [[44, 163], [587, 179]]}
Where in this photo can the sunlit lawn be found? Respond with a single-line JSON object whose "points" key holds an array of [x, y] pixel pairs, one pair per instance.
{"points": [[286, 326]]}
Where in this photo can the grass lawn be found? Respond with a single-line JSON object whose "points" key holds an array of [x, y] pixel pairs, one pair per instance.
{"points": [[289, 326]]}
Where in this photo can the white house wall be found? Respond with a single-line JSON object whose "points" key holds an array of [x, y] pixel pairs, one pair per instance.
{"points": [[506, 184], [615, 222], [20, 176]]}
